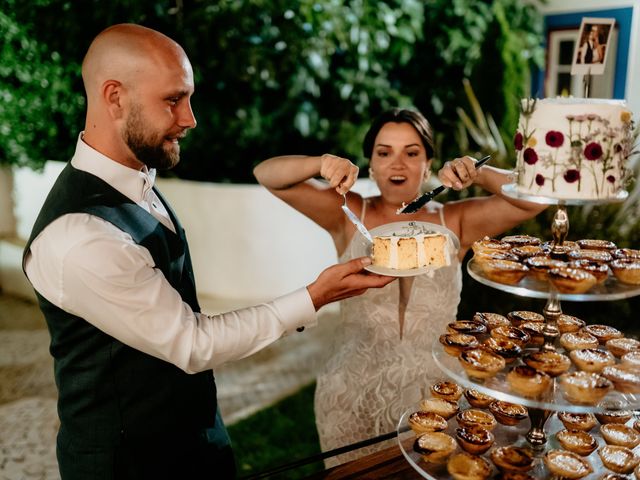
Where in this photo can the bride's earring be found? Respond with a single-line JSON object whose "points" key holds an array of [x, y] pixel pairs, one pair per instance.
{"points": [[371, 175]]}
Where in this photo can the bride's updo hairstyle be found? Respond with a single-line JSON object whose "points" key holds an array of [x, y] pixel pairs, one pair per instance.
{"points": [[397, 115]]}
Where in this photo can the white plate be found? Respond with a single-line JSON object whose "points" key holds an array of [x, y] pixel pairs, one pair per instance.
{"points": [[362, 248]]}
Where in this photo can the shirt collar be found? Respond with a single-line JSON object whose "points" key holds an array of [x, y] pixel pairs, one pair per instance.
{"points": [[134, 184]]}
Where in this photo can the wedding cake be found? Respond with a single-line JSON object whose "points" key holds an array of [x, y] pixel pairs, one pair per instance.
{"points": [[573, 148], [406, 251]]}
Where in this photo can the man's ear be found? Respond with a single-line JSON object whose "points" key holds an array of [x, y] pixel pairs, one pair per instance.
{"points": [[112, 94]]}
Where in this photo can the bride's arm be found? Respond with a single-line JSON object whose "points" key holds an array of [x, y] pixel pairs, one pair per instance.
{"points": [[291, 178]]}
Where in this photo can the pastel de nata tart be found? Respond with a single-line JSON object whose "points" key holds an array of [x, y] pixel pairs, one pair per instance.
{"points": [[474, 439], [490, 244], [593, 244], [601, 256], [592, 359], [578, 340], [535, 330], [518, 317], [622, 345], [569, 323], [603, 333], [527, 251], [455, 343], [577, 421], [421, 422], [464, 466], [561, 252], [636, 425], [507, 349], [612, 414], [620, 434], [508, 413], [636, 472], [468, 327], [491, 320], [625, 379], [477, 399], [568, 244], [626, 253], [567, 465], [597, 269], [444, 408], [505, 271], [434, 447], [481, 363], [528, 382], [571, 280], [626, 270], [613, 476], [447, 390], [513, 476], [521, 240], [512, 459], [481, 257], [618, 459], [476, 417], [577, 441], [548, 361], [540, 265], [514, 334], [584, 388], [631, 359]]}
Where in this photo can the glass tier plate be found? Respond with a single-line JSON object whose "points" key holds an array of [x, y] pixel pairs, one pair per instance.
{"points": [[510, 190], [504, 435], [531, 287], [498, 387]]}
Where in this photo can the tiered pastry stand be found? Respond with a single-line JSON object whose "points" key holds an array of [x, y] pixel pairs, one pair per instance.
{"points": [[531, 432]]}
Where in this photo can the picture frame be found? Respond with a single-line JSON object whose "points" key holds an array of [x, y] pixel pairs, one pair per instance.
{"points": [[593, 46]]}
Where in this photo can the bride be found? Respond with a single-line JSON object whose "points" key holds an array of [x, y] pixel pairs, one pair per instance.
{"points": [[380, 361]]}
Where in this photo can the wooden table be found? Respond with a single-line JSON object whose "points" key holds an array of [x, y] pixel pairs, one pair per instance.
{"points": [[386, 464]]}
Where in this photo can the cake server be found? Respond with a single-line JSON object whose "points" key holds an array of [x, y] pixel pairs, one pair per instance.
{"points": [[426, 197], [355, 220]]}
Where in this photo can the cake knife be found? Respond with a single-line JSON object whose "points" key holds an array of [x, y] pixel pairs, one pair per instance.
{"points": [[426, 197], [355, 220]]}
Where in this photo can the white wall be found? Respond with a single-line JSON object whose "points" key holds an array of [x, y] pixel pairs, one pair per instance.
{"points": [[632, 94], [246, 244]]}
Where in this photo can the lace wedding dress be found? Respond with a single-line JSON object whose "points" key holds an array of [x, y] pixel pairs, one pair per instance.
{"points": [[380, 363]]}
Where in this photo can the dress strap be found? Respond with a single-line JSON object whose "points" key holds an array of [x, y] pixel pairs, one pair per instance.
{"points": [[441, 213], [364, 209]]}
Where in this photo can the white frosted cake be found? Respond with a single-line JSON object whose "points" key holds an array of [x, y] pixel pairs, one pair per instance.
{"points": [[573, 148], [407, 251]]}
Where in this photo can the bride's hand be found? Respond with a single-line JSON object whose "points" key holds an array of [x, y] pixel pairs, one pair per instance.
{"points": [[339, 172], [459, 173]]}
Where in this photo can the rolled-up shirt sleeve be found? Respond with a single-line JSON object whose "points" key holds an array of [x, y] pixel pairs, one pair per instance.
{"points": [[90, 268]]}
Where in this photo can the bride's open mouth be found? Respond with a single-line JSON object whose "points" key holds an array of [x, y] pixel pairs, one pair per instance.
{"points": [[398, 179]]}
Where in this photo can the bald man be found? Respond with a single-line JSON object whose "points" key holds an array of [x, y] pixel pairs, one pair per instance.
{"points": [[110, 265]]}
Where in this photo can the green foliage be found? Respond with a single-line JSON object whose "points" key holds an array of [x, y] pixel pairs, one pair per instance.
{"points": [[301, 76], [277, 436], [37, 104]]}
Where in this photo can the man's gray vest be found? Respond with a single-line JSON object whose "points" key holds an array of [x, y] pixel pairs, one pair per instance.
{"points": [[111, 394]]}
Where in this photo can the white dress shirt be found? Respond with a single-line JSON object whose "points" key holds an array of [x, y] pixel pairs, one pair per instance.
{"points": [[90, 268]]}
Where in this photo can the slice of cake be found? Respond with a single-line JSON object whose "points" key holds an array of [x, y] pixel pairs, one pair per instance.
{"points": [[407, 251]]}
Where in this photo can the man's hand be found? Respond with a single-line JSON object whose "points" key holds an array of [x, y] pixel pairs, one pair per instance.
{"points": [[345, 280], [339, 172]]}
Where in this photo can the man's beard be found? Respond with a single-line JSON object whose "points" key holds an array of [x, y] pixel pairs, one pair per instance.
{"points": [[148, 148]]}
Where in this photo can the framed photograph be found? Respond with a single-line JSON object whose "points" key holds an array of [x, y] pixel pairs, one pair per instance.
{"points": [[593, 46]]}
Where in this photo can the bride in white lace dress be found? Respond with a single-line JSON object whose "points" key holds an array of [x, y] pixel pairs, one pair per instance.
{"points": [[380, 362]]}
